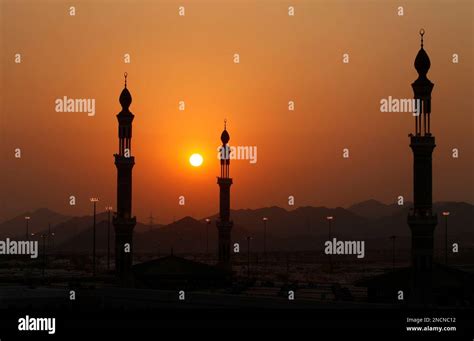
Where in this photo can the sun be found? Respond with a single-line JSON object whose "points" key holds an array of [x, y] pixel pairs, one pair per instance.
{"points": [[195, 160]]}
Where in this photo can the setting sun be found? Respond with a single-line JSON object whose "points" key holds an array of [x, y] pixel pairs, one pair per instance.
{"points": [[196, 160]]}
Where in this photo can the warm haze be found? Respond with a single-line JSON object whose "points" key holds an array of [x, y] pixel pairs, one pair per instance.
{"points": [[190, 59]]}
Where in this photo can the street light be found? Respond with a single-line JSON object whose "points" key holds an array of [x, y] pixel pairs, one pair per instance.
{"points": [[52, 240], [329, 219], [108, 209], [248, 256], [94, 201], [27, 218], [265, 219], [393, 251], [208, 222], [43, 236], [446, 215]]}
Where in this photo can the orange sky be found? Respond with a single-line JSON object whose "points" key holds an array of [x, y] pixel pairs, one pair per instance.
{"points": [[189, 58]]}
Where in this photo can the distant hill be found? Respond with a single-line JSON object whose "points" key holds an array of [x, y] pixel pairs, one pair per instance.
{"points": [[303, 221], [184, 235], [373, 209], [394, 219], [304, 228], [39, 220], [82, 240], [72, 227]]}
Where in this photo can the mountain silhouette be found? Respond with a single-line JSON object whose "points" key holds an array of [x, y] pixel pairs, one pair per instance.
{"points": [[81, 242], [302, 221], [373, 209], [304, 228], [39, 220]]}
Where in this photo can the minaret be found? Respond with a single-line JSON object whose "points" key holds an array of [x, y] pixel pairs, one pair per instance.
{"points": [[224, 224], [422, 219], [123, 220]]}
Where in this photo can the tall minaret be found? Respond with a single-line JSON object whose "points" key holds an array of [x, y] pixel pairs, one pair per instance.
{"points": [[224, 224], [422, 219], [123, 220]]}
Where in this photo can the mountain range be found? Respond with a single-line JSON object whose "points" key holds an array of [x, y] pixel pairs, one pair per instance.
{"points": [[303, 228]]}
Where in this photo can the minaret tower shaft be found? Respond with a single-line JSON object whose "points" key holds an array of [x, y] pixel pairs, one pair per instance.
{"points": [[224, 224], [123, 220], [421, 219]]}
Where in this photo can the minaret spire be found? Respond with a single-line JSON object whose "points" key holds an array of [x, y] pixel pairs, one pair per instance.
{"points": [[224, 224], [124, 222], [422, 88], [421, 219]]}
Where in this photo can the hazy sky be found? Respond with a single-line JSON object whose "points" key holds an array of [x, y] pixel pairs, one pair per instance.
{"points": [[190, 58]]}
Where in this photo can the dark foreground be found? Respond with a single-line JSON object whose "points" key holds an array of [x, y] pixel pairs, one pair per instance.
{"points": [[140, 315]]}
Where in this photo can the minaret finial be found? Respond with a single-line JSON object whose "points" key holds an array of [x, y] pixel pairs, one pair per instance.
{"points": [[225, 123], [422, 33], [125, 75]]}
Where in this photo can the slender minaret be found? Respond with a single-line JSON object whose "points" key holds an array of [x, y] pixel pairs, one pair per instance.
{"points": [[422, 219], [224, 224], [123, 220]]}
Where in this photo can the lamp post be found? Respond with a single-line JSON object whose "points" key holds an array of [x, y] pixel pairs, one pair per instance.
{"points": [[108, 209], [329, 219], [393, 251], [265, 219], [52, 240], [27, 218], [248, 256], [49, 234], [94, 201], [151, 221], [446, 215], [43, 236], [208, 222]]}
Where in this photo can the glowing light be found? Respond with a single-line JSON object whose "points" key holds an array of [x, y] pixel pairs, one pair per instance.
{"points": [[196, 160]]}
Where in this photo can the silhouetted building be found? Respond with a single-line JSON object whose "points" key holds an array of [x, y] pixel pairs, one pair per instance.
{"points": [[224, 224], [422, 219], [123, 220], [423, 282], [172, 272]]}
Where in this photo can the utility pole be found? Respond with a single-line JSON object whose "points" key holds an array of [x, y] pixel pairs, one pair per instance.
{"points": [[446, 215], [393, 251], [27, 218], [94, 201], [208, 222], [151, 221], [329, 219], [108, 209]]}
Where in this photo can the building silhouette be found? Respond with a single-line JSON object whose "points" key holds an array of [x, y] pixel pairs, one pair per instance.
{"points": [[224, 224], [421, 219], [424, 282], [123, 220]]}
